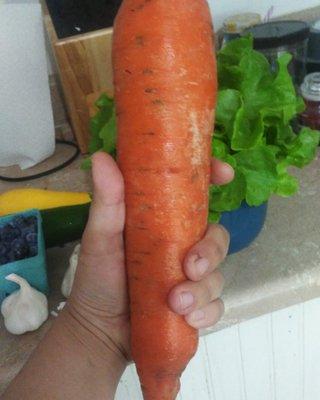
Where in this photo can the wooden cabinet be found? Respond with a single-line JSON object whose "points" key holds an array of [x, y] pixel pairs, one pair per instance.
{"points": [[272, 357]]}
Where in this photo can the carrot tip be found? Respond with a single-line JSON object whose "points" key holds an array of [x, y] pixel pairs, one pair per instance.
{"points": [[161, 389]]}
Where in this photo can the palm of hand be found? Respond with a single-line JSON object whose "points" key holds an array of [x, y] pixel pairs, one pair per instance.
{"points": [[99, 298]]}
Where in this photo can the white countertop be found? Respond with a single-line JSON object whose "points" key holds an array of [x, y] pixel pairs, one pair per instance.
{"points": [[279, 269]]}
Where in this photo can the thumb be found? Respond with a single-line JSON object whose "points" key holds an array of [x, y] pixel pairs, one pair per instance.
{"points": [[101, 279], [106, 218]]}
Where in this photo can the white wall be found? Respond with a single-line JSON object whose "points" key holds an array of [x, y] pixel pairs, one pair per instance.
{"points": [[273, 357], [224, 8]]}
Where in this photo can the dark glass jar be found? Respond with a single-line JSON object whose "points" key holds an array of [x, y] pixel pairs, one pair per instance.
{"points": [[310, 91], [277, 37]]}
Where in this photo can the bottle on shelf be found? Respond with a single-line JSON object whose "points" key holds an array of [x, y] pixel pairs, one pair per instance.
{"points": [[310, 91]]}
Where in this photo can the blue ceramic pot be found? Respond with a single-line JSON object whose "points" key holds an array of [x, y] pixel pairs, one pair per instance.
{"points": [[244, 225]]}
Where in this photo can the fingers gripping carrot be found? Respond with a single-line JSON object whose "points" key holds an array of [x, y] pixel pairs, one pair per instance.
{"points": [[165, 93]]}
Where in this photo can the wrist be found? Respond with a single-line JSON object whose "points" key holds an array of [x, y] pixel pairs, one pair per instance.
{"points": [[71, 362], [98, 346], [98, 358]]}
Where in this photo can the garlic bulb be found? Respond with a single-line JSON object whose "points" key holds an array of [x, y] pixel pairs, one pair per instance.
{"points": [[68, 279], [25, 309]]}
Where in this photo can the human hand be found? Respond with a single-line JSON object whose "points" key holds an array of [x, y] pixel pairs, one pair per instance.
{"points": [[99, 299]]}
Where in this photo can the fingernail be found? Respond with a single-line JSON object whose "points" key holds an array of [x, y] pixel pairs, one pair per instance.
{"points": [[201, 266], [228, 167], [186, 300], [197, 316]]}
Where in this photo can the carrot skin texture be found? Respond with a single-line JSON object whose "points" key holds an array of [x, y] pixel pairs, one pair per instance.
{"points": [[165, 94]]}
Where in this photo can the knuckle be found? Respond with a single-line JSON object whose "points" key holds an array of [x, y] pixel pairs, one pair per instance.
{"points": [[212, 287], [217, 251], [215, 312], [220, 239], [220, 280], [209, 290], [218, 309], [203, 293], [224, 234], [218, 230]]}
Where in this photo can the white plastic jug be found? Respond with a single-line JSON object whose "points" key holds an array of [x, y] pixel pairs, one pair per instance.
{"points": [[27, 134]]}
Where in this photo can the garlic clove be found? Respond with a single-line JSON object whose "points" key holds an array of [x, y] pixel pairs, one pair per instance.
{"points": [[24, 310], [68, 279]]}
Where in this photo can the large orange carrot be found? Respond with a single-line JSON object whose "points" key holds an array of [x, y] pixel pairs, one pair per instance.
{"points": [[165, 92]]}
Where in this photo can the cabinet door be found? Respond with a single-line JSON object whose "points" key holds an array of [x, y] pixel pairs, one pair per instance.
{"points": [[273, 357]]}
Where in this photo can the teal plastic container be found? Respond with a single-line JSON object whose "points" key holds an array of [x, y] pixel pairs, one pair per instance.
{"points": [[32, 269]]}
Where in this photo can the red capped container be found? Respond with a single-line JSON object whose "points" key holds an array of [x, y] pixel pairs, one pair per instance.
{"points": [[310, 91]]}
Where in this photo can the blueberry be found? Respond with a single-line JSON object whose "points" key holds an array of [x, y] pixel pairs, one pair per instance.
{"points": [[28, 232], [20, 249], [31, 237], [3, 260], [9, 233], [32, 220], [18, 239], [29, 229], [17, 242], [3, 249], [19, 221]]}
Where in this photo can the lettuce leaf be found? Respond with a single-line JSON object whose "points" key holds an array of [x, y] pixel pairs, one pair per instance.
{"points": [[102, 129], [254, 133], [302, 150], [254, 115], [259, 168]]}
